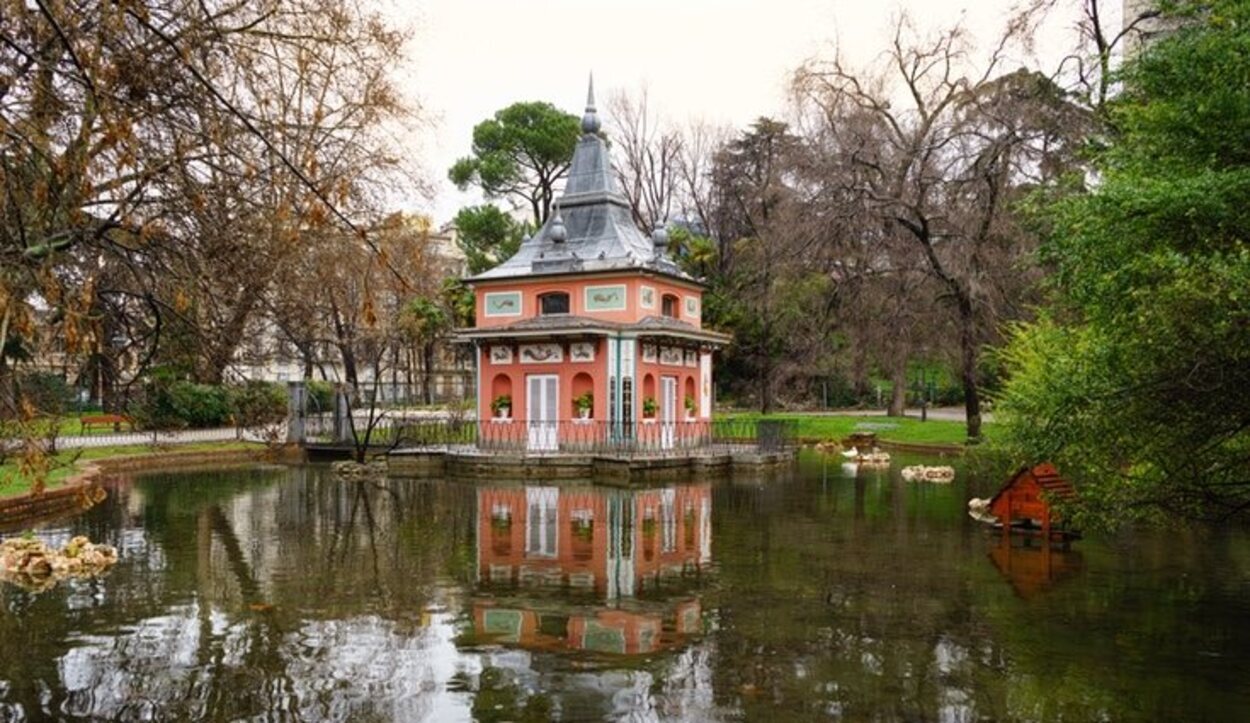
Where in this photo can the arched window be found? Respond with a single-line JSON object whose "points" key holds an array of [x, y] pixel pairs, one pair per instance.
{"points": [[668, 306], [557, 302]]}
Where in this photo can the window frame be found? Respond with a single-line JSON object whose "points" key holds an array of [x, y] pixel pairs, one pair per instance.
{"points": [[670, 302], [543, 297]]}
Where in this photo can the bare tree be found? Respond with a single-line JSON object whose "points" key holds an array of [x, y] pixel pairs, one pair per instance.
{"points": [[176, 150], [647, 157], [941, 154]]}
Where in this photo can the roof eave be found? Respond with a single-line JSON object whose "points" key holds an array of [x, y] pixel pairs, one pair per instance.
{"points": [[476, 279]]}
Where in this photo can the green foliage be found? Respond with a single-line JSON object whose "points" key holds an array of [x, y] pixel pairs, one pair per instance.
{"points": [[425, 319], [46, 392], [1135, 382], [500, 402], [649, 407], [522, 151], [256, 403], [320, 395], [180, 404], [458, 298], [487, 236], [584, 402]]}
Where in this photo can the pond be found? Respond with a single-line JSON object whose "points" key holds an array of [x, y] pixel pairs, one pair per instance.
{"points": [[280, 593]]}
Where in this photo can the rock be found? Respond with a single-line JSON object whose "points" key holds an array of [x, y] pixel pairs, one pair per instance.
{"points": [[922, 473], [874, 458], [31, 564], [351, 471]]}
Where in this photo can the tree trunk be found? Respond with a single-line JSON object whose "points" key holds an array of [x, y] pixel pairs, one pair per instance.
{"points": [[898, 377], [766, 383], [428, 371], [968, 369], [349, 365], [860, 384]]}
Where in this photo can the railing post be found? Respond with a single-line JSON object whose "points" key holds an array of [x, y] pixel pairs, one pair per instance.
{"points": [[342, 414], [296, 411]]}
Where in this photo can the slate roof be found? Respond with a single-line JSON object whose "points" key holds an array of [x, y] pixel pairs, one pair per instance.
{"points": [[590, 228]]}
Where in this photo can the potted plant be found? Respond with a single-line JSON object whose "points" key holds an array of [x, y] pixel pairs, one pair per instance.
{"points": [[502, 406], [501, 521], [691, 406], [649, 409], [583, 404]]}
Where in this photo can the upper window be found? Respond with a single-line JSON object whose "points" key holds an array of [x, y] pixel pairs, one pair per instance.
{"points": [[668, 306], [556, 302]]}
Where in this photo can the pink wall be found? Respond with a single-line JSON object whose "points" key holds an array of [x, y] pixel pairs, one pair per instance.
{"points": [[566, 370], [575, 287], [685, 376]]}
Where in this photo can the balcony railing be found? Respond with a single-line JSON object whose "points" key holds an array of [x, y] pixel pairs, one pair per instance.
{"points": [[655, 438]]}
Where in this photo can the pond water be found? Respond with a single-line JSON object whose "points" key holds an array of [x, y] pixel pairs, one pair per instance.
{"points": [[280, 593]]}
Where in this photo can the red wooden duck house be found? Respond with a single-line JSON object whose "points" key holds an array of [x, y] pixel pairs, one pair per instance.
{"points": [[1023, 504]]}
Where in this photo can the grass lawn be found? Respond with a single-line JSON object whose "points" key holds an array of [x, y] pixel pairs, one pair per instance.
{"points": [[12, 483], [889, 429]]}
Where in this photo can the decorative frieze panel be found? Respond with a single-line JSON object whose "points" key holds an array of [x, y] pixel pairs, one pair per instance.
{"points": [[605, 298], [500, 355], [692, 306], [692, 359], [671, 355], [503, 303], [541, 354], [582, 351], [646, 297], [650, 352]]}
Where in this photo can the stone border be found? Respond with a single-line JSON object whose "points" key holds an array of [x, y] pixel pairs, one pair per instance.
{"points": [[599, 468], [940, 450], [23, 510]]}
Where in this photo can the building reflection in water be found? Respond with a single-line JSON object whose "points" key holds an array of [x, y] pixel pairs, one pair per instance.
{"points": [[590, 568], [1032, 565]]}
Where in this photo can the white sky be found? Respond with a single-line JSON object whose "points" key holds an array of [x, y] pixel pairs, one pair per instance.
{"points": [[726, 61]]}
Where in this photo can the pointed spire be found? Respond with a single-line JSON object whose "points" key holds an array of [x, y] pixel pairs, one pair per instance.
{"points": [[590, 121]]}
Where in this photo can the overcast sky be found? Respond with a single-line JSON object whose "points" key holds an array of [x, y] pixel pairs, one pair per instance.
{"points": [[727, 61]]}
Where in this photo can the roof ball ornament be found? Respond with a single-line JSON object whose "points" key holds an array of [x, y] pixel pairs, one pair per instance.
{"points": [[590, 121], [659, 237], [558, 233]]}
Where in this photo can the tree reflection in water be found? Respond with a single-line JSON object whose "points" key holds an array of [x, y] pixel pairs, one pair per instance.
{"points": [[276, 592], [252, 591]]}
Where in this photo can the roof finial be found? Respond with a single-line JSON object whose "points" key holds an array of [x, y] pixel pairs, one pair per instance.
{"points": [[557, 233], [659, 238], [590, 121]]}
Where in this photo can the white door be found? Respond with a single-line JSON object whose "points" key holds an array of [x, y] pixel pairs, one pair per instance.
{"points": [[542, 406], [668, 411]]}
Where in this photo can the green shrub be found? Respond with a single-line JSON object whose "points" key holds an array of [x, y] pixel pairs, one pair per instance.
{"points": [[181, 404], [320, 396], [254, 403]]}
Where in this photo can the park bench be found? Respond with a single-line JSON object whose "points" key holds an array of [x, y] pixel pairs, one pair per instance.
{"points": [[115, 420]]}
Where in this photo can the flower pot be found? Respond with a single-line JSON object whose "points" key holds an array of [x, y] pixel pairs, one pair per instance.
{"points": [[503, 412], [583, 414]]}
